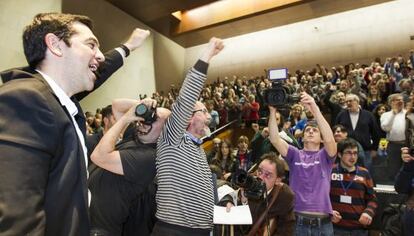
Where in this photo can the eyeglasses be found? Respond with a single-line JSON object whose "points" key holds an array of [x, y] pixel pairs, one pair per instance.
{"points": [[349, 153], [204, 110], [265, 173]]}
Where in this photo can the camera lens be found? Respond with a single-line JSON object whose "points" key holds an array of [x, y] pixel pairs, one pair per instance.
{"points": [[140, 110]]}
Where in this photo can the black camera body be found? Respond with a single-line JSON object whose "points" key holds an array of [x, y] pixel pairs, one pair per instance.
{"points": [[279, 95], [254, 188], [148, 113]]}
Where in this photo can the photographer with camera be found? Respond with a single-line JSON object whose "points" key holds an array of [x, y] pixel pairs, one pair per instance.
{"points": [[121, 181], [310, 170], [272, 215]]}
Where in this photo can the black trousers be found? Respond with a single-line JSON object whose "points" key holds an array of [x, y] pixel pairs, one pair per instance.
{"points": [[394, 159], [164, 229]]}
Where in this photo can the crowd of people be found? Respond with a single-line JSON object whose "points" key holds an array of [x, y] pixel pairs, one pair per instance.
{"points": [[366, 106], [125, 171]]}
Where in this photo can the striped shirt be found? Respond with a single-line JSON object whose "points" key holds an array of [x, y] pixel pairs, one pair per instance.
{"points": [[359, 186], [185, 189]]}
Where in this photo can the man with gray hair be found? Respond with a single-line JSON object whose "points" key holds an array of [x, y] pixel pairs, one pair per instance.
{"points": [[361, 126], [393, 122]]}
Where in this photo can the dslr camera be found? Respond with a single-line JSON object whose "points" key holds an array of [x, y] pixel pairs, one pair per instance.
{"points": [[148, 113], [279, 95], [254, 188]]}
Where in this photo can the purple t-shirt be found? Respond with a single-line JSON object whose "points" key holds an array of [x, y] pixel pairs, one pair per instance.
{"points": [[309, 179]]}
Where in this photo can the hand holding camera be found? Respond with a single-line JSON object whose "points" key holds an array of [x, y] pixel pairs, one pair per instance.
{"points": [[147, 110]]}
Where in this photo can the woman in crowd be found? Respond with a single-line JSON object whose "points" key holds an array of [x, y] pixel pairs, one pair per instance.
{"points": [[224, 158], [373, 98]]}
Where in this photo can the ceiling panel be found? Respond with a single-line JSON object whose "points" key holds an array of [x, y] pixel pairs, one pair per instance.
{"points": [[157, 15]]}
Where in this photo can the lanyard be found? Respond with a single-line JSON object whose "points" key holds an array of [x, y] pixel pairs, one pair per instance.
{"points": [[350, 183]]}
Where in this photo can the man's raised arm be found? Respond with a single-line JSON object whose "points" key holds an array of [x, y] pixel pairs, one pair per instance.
{"points": [[325, 129], [281, 145]]}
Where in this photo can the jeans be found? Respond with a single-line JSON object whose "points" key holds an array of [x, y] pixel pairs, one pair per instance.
{"points": [[394, 159], [304, 229], [350, 232]]}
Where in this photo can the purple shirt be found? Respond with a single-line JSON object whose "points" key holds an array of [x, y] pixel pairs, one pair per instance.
{"points": [[309, 179]]}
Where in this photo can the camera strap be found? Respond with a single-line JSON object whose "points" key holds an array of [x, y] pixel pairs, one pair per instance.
{"points": [[255, 228]]}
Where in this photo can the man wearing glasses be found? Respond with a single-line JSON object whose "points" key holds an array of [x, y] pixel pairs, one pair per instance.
{"points": [[280, 215], [393, 122], [352, 194], [185, 198], [361, 126]]}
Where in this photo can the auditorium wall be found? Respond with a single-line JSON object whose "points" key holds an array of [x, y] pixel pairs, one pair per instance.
{"points": [[354, 36], [14, 15], [113, 26]]}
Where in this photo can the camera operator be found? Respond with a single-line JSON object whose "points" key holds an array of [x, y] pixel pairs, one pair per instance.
{"points": [[272, 213], [122, 186], [310, 170]]}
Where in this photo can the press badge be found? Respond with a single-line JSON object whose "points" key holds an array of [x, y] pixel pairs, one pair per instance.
{"points": [[345, 199]]}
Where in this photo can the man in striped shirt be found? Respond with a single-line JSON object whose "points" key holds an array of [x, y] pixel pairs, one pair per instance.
{"points": [[185, 196], [352, 194]]}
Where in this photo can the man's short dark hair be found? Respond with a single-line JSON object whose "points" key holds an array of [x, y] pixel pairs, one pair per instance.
{"points": [[346, 144], [106, 112], [311, 123], [59, 24], [273, 158], [341, 127]]}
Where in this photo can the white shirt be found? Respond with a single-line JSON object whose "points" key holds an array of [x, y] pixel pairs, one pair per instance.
{"points": [[64, 100], [394, 125], [354, 118]]}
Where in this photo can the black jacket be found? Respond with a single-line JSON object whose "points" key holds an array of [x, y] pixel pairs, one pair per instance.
{"points": [[43, 189], [366, 129]]}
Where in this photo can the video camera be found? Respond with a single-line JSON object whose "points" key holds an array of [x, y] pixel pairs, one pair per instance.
{"points": [[279, 95], [254, 188]]}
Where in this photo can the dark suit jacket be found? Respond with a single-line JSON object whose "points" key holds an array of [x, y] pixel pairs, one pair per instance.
{"points": [[366, 130], [43, 189], [281, 214]]}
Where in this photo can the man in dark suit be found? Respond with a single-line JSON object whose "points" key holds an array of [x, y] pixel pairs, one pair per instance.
{"points": [[361, 126], [43, 160]]}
